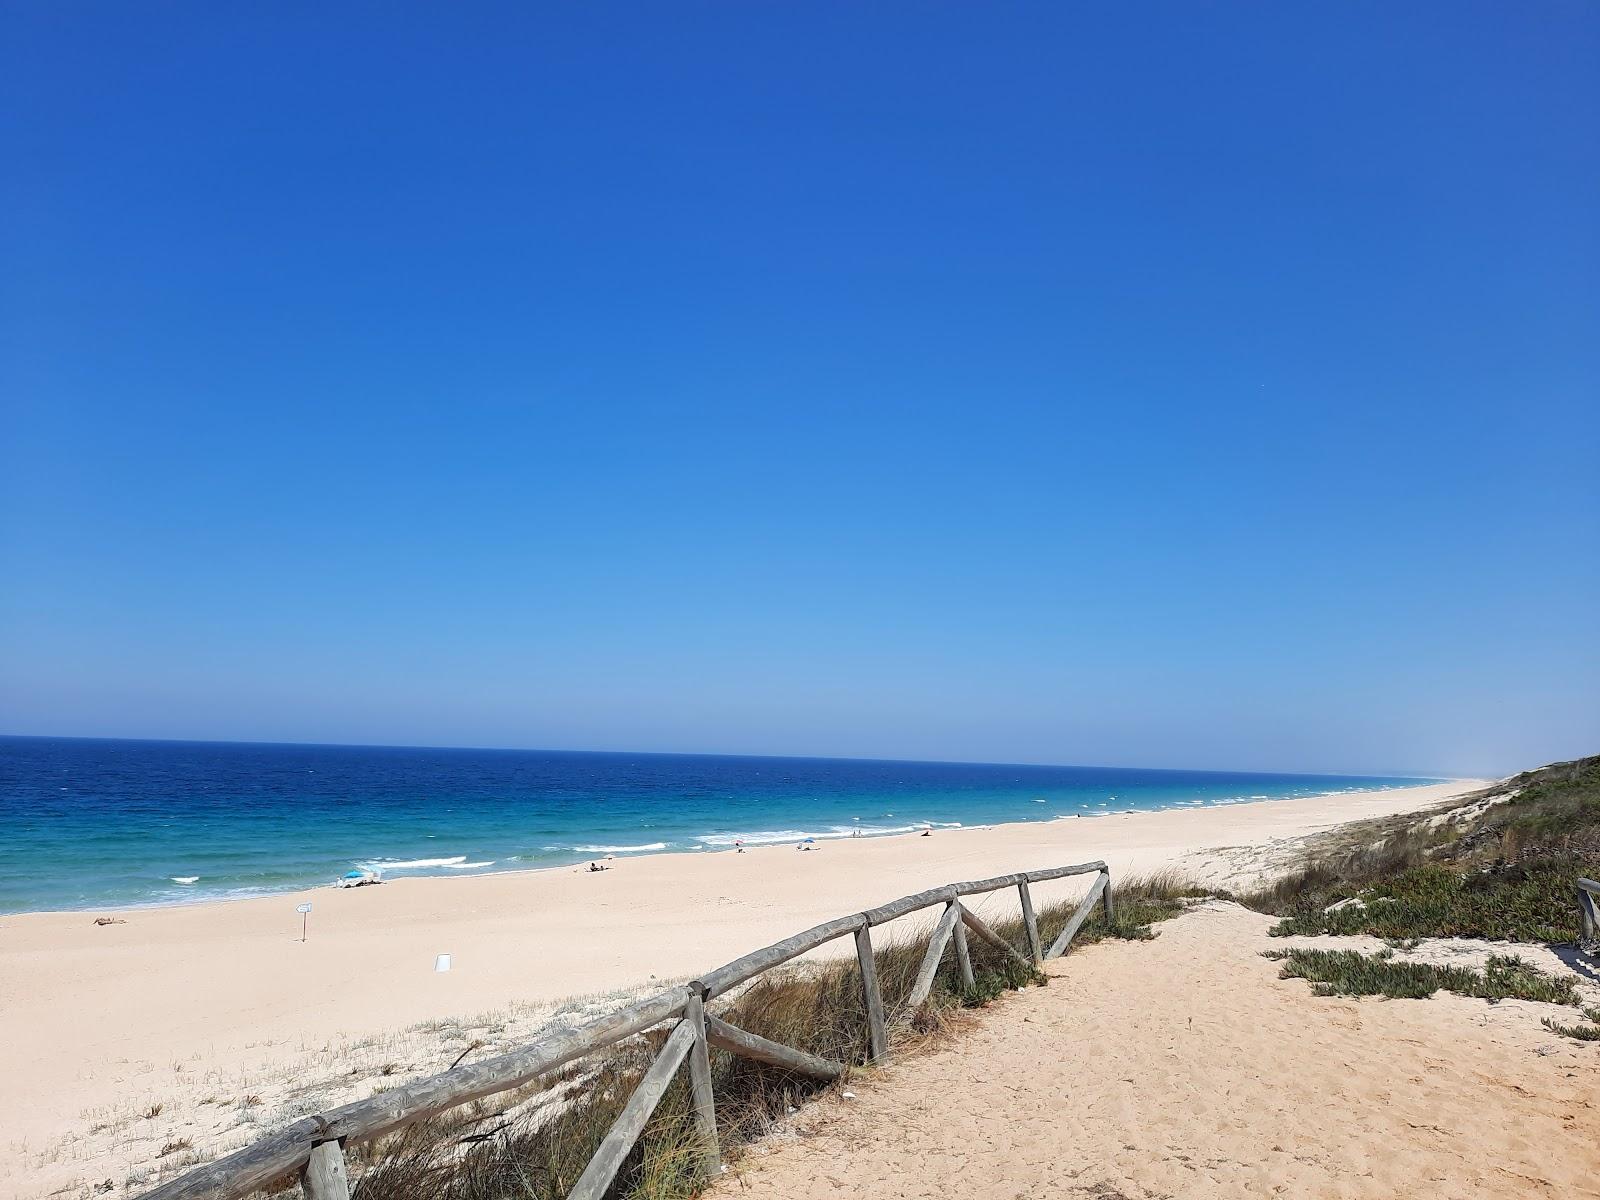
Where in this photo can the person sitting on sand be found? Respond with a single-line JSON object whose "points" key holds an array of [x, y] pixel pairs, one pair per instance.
{"points": [[927, 833], [598, 867]]}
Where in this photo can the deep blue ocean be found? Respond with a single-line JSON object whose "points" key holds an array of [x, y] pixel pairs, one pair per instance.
{"points": [[93, 824]]}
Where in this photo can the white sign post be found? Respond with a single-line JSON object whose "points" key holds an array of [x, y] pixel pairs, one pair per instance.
{"points": [[303, 910]]}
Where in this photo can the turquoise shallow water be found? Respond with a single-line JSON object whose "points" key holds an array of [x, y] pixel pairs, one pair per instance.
{"points": [[91, 823]]}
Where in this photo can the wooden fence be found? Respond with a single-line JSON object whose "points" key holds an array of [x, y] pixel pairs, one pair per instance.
{"points": [[1588, 914], [314, 1146]]}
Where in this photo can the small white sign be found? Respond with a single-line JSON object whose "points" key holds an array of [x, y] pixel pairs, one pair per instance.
{"points": [[441, 963], [302, 908]]}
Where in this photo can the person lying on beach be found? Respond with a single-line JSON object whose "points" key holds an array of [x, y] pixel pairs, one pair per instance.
{"points": [[598, 867]]}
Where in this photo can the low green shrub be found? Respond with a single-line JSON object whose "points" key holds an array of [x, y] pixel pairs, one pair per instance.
{"points": [[1350, 973], [1503, 871], [1583, 1033], [1524, 902]]}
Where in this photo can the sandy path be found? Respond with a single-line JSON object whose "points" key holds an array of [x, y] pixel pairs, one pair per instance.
{"points": [[198, 1008], [1185, 1068]]}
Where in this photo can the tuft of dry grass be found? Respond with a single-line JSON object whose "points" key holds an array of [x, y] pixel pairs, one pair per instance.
{"points": [[1589, 1032]]}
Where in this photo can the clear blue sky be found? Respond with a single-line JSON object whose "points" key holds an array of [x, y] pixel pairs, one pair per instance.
{"points": [[1164, 385]]}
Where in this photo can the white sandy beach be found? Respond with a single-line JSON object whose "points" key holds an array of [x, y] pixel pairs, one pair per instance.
{"points": [[198, 1009]]}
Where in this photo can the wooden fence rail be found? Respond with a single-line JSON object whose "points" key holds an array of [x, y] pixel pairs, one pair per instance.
{"points": [[314, 1146], [1588, 913]]}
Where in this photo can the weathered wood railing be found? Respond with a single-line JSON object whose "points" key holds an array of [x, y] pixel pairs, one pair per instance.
{"points": [[314, 1146], [1588, 914]]}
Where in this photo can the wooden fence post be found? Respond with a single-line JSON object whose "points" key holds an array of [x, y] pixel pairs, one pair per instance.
{"points": [[1588, 925], [978, 926], [1079, 915], [932, 957], [1111, 912], [1030, 923], [877, 1031], [741, 1041], [323, 1177], [705, 1107], [602, 1170], [959, 932]]}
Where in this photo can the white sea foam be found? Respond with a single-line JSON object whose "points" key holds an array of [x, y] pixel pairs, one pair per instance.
{"points": [[416, 863], [184, 878], [758, 837], [777, 837], [466, 866], [639, 849]]}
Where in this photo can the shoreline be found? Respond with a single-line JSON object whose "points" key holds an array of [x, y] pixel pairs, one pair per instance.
{"points": [[190, 1007], [707, 849]]}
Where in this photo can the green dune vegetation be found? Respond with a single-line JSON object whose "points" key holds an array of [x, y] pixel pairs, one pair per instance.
{"points": [[1500, 864], [1497, 864]]}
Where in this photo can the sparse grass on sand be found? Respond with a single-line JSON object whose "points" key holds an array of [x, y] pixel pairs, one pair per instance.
{"points": [[534, 1144], [1583, 1033], [1350, 973]]}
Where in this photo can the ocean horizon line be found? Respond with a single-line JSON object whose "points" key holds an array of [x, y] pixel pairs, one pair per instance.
{"points": [[1397, 773]]}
